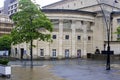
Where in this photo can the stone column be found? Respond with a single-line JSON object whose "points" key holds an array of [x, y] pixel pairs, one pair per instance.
{"points": [[73, 39], [37, 49], [60, 56], [47, 51], [84, 39], [18, 47], [99, 32], [25, 50], [28, 50]]}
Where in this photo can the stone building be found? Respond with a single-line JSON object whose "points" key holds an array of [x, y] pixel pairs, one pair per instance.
{"points": [[1, 10], [79, 28], [6, 24], [10, 7]]}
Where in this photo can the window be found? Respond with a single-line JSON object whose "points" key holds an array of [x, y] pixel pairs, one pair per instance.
{"points": [[89, 37], [15, 10], [15, 51], [11, 11], [54, 52], [78, 37], [82, 22], [66, 36], [54, 36], [67, 24], [118, 36], [55, 23], [41, 52], [12, 7], [15, 5], [118, 21]]}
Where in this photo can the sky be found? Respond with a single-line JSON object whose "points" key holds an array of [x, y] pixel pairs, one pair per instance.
{"points": [[41, 2]]}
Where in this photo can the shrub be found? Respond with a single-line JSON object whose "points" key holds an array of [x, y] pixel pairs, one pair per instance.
{"points": [[4, 61]]}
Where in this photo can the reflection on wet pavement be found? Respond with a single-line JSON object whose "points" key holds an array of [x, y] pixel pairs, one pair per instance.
{"points": [[76, 69], [35, 73], [87, 70]]}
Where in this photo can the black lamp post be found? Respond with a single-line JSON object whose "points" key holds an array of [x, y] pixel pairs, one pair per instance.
{"points": [[108, 25]]}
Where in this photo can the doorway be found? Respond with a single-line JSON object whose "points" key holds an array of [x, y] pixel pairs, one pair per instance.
{"points": [[22, 52], [67, 53], [79, 53]]}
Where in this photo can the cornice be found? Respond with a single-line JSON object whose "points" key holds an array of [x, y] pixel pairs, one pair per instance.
{"points": [[67, 11]]}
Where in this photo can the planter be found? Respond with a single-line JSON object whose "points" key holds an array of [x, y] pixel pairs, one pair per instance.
{"points": [[5, 70]]}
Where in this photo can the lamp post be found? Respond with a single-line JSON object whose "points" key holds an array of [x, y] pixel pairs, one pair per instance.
{"points": [[108, 25]]}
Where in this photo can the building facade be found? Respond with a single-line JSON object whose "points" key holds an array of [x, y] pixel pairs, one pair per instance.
{"points": [[85, 5], [1, 10], [10, 7], [79, 28], [6, 24]]}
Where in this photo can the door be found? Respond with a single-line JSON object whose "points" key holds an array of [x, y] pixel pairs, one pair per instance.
{"points": [[66, 53], [22, 52], [79, 53]]}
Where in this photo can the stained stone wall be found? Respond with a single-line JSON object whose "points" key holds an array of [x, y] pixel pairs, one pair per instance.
{"points": [[75, 33], [74, 37]]}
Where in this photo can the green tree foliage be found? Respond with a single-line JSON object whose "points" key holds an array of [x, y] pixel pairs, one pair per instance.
{"points": [[5, 42], [28, 22], [118, 32]]}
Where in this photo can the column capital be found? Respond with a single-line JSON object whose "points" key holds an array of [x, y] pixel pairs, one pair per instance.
{"points": [[73, 21], [61, 20], [86, 22]]}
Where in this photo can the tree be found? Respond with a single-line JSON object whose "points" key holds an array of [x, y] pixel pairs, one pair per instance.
{"points": [[5, 42], [118, 32], [28, 22]]}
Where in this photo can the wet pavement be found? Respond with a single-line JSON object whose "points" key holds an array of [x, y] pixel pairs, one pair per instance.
{"points": [[76, 69], [28, 73], [87, 70]]}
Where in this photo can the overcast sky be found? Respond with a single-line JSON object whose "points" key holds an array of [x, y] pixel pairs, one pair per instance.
{"points": [[41, 2]]}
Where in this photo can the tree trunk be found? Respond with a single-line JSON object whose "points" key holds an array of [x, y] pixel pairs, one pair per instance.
{"points": [[31, 53]]}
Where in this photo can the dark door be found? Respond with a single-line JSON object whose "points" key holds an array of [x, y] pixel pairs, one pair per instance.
{"points": [[22, 52], [79, 53]]}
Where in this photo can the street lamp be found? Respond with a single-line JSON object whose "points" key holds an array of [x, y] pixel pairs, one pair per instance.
{"points": [[108, 25]]}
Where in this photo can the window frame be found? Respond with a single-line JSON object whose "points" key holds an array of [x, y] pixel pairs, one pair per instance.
{"points": [[67, 37], [54, 36], [54, 53], [78, 37], [41, 52]]}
